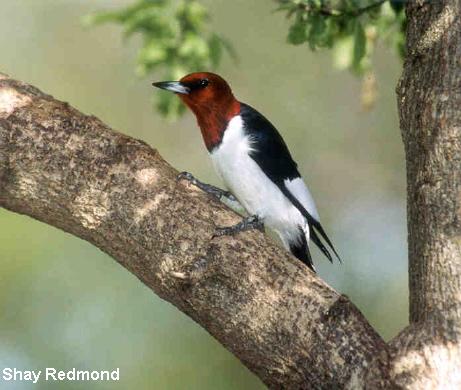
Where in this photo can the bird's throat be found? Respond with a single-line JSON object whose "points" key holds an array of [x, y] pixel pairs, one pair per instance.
{"points": [[213, 122]]}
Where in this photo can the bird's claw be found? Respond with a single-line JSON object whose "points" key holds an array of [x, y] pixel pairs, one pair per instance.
{"points": [[208, 188], [224, 231], [248, 223], [186, 176]]}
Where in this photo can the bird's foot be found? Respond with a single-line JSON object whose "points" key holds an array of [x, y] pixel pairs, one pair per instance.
{"points": [[248, 223], [208, 188]]}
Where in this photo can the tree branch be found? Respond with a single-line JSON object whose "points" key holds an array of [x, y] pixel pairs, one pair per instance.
{"points": [[336, 12], [71, 171]]}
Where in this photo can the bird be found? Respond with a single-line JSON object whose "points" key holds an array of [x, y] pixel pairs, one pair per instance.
{"points": [[254, 162]]}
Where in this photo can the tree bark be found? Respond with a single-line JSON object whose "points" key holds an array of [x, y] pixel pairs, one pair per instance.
{"points": [[430, 118], [285, 324], [71, 171], [428, 353]]}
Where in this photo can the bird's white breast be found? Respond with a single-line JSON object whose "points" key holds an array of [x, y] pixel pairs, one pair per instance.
{"points": [[250, 185]]}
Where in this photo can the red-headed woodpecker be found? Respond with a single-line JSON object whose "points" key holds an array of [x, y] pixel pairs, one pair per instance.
{"points": [[254, 162]]}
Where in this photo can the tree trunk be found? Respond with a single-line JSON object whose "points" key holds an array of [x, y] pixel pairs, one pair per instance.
{"points": [[427, 354], [430, 118]]}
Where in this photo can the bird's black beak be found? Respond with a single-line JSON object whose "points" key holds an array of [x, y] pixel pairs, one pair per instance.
{"points": [[173, 86]]}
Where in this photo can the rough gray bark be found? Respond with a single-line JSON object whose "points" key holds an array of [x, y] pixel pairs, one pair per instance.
{"points": [[71, 171], [286, 325], [430, 113], [428, 353]]}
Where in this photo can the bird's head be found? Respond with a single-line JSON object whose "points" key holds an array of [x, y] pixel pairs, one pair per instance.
{"points": [[210, 98], [200, 91]]}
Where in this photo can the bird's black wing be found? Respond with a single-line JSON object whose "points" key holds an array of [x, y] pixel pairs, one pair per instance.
{"points": [[271, 152], [273, 157]]}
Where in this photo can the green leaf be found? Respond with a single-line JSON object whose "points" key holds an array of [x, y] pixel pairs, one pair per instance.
{"points": [[99, 18], [397, 5], [360, 43], [175, 38], [216, 49], [342, 53], [316, 31], [193, 47], [169, 105], [298, 34], [153, 53], [192, 14]]}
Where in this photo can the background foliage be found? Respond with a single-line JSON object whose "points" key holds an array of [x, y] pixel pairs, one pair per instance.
{"points": [[65, 304], [177, 39], [350, 27]]}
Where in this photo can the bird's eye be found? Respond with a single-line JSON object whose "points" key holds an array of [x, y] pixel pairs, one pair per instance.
{"points": [[204, 83]]}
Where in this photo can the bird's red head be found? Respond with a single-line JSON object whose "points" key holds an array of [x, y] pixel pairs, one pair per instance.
{"points": [[210, 98]]}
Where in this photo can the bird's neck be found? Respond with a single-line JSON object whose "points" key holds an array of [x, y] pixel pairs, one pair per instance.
{"points": [[213, 121]]}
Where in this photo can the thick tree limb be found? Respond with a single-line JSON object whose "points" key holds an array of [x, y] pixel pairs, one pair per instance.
{"points": [[71, 171]]}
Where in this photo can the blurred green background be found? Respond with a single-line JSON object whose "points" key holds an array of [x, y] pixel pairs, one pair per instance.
{"points": [[64, 304]]}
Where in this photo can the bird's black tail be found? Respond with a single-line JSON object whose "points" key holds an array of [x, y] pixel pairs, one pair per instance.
{"points": [[300, 249], [314, 229]]}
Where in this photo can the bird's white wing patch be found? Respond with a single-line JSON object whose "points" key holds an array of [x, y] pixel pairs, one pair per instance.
{"points": [[300, 191]]}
